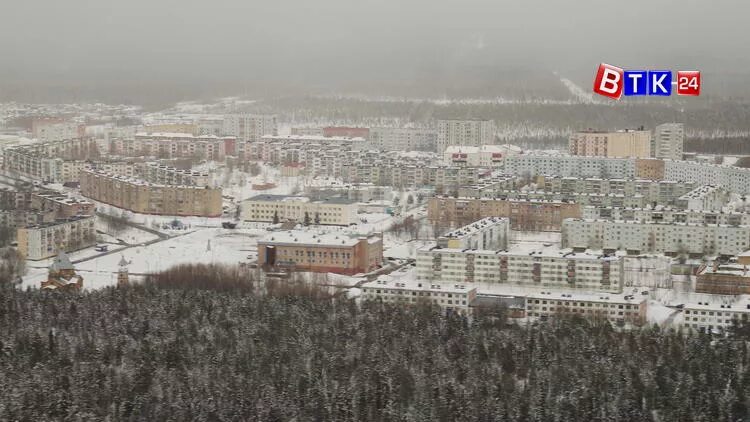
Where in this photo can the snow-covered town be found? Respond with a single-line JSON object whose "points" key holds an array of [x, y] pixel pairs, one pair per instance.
{"points": [[621, 224]]}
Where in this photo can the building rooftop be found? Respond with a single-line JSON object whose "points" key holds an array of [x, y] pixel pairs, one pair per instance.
{"points": [[313, 238], [475, 227]]}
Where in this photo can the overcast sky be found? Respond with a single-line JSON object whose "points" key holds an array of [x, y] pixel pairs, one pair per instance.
{"points": [[314, 41]]}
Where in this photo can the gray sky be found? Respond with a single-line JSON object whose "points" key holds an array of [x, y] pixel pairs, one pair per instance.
{"points": [[326, 41]]}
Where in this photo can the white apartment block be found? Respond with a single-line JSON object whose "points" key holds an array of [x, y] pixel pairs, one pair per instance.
{"points": [[54, 131], [734, 179], [449, 297], [474, 132], [403, 139], [489, 233], [672, 239], [46, 240], [715, 313], [666, 215], [547, 267], [332, 211], [668, 141], [569, 166], [662, 192], [623, 309], [479, 156], [704, 198], [249, 127]]}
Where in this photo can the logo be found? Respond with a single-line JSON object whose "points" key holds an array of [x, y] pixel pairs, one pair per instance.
{"points": [[613, 82]]}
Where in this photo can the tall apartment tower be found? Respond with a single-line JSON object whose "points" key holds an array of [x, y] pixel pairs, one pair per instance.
{"points": [[668, 140], [250, 127], [473, 132], [621, 143]]}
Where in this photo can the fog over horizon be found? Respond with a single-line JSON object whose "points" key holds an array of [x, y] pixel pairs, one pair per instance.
{"points": [[334, 46]]}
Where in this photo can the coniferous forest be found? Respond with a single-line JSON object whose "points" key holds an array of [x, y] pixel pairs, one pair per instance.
{"points": [[156, 352]]}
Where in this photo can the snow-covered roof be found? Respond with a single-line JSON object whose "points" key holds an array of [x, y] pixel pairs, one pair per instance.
{"points": [[311, 238], [61, 262]]}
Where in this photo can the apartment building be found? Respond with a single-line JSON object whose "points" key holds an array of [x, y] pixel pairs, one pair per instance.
{"points": [[346, 132], [716, 314], [646, 237], [623, 309], [443, 179], [46, 161], [489, 233], [249, 127], [535, 215], [171, 145], [55, 130], [660, 192], [61, 204], [547, 267], [337, 211], [704, 198], [337, 252], [403, 139], [307, 131], [45, 240], [530, 165], [583, 199], [621, 143], [472, 132], [730, 278], [357, 193], [734, 179], [147, 198], [668, 141], [666, 215], [163, 174], [455, 298], [478, 156]]}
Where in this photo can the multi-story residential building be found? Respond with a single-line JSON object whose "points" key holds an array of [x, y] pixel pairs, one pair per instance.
{"points": [[278, 208], [653, 192], [716, 315], [63, 205], [346, 132], [357, 193], [734, 179], [307, 131], [670, 239], [537, 215], [403, 139], [622, 143], [47, 239], [162, 174], [704, 198], [545, 267], [478, 156], [249, 127], [146, 198], [28, 208], [55, 130], [456, 298], [171, 145], [623, 309], [474, 132], [666, 215], [583, 199], [489, 233], [569, 166], [668, 141], [321, 252], [210, 125], [45, 161], [731, 278]]}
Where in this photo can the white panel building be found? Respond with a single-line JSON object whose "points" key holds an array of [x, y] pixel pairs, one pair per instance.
{"points": [[668, 141], [473, 132]]}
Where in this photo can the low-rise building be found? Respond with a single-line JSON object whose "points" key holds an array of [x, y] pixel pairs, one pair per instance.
{"points": [[622, 309], [716, 314], [731, 278], [278, 208], [456, 298], [46, 240], [321, 252]]}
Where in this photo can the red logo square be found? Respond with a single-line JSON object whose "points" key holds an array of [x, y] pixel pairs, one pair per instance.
{"points": [[689, 82]]}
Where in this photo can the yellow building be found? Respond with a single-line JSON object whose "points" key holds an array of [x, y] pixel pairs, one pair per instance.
{"points": [[146, 198], [622, 143]]}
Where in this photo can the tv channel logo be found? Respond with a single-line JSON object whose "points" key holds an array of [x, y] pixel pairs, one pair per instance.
{"points": [[613, 82]]}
